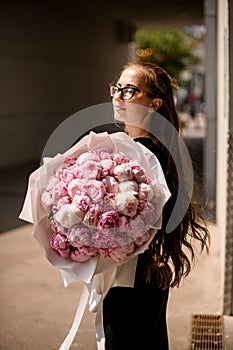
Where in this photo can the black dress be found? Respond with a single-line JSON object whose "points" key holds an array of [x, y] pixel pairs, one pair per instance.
{"points": [[135, 318]]}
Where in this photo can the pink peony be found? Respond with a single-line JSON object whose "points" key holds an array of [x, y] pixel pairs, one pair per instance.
{"points": [[128, 185], [109, 202], [111, 184], [120, 253], [91, 217], [56, 228], [87, 157], [47, 201], [104, 153], [73, 187], [79, 235], [60, 246], [77, 256], [69, 162], [94, 189], [69, 215], [89, 170], [148, 214], [145, 191], [52, 181], [81, 201], [123, 224], [141, 205], [104, 239], [138, 172], [127, 203], [123, 172], [120, 158], [89, 251], [108, 220], [156, 187], [107, 167], [62, 201], [136, 227], [58, 191], [69, 174]]}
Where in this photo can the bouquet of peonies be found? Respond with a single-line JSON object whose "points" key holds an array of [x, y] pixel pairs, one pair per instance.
{"points": [[98, 204], [101, 202]]}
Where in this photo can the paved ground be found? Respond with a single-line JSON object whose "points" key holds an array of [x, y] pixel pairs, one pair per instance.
{"points": [[37, 310]]}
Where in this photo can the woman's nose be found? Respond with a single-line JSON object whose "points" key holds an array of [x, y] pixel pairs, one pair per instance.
{"points": [[118, 96]]}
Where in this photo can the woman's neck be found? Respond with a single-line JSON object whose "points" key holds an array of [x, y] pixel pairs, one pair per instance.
{"points": [[135, 132]]}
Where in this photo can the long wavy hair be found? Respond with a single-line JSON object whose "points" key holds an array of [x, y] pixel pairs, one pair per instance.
{"points": [[170, 255]]}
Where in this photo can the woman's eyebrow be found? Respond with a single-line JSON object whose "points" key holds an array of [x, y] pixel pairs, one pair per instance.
{"points": [[131, 85], [127, 85]]}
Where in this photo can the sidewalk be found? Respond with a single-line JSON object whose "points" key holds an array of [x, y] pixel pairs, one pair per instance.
{"points": [[36, 309]]}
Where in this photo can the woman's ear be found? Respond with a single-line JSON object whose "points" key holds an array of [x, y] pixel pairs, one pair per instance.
{"points": [[156, 103]]}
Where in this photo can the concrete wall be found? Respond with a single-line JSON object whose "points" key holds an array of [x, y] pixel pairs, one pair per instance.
{"points": [[55, 59], [211, 17], [222, 125]]}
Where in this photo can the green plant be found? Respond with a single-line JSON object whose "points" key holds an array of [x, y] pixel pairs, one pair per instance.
{"points": [[172, 49]]}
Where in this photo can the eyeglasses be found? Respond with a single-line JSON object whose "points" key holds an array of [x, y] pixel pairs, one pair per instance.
{"points": [[127, 92]]}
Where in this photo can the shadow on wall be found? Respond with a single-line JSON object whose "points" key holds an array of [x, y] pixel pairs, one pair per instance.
{"points": [[13, 185]]}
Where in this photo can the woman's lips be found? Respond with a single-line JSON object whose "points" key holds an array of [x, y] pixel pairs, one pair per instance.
{"points": [[119, 107]]}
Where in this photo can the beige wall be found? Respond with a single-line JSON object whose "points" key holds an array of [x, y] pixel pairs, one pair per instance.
{"points": [[54, 61]]}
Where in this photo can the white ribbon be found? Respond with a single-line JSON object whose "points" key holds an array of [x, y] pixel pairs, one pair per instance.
{"points": [[95, 305], [95, 291], [77, 320]]}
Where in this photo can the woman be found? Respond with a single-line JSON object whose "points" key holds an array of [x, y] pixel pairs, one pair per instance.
{"points": [[135, 318]]}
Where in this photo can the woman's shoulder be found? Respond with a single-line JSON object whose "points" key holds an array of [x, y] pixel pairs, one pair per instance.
{"points": [[153, 147]]}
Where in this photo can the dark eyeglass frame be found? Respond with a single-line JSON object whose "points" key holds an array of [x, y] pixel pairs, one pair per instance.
{"points": [[122, 89]]}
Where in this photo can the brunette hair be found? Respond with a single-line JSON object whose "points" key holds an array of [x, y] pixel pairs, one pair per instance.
{"points": [[170, 255]]}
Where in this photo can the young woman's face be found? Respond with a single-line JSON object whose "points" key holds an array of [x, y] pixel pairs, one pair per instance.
{"points": [[131, 103], [130, 77]]}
